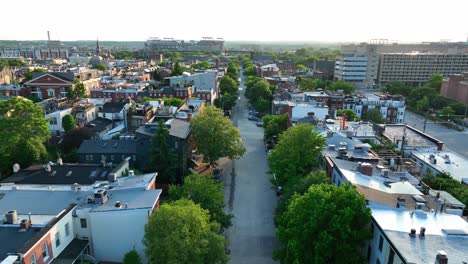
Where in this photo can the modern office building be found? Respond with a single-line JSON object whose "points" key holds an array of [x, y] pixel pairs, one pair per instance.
{"points": [[358, 64], [416, 68]]}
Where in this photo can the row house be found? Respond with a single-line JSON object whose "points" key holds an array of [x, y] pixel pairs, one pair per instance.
{"points": [[332, 99], [12, 90], [392, 107], [180, 92], [115, 94], [268, 70], [50, 84]]}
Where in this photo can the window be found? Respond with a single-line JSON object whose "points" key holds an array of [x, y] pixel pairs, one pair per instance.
{"points": [[53, 121], [83, 223], [380, 243], [57, 239], [51, 92], [45, 251], [67, 229], [33, 259], [391, 257]]}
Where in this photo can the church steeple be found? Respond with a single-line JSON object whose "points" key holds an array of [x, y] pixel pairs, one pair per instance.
{"points": [[98, 49]]}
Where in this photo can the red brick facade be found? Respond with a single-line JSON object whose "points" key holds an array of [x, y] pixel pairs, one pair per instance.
{"points": [[37, 250], [48, 86]]}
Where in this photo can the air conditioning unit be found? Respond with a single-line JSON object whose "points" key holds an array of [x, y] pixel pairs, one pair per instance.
{"points": [[420, 206]]}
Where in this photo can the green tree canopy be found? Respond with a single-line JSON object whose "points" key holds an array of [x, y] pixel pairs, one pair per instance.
{"points": [[447, 111], [177, 69], [373, 115], [180, 232], [226, 102], [306, 84], [100, 67], [68, 122], [228, 85], [28, 74], [301, 67], [435, 82], [315, 223], [423, 104], [233, 70], [274, 125], [172, 101], [23, 132], [296, 153], [341, 85], [163, 158], [206, 192], [201, 65], [350, 115], [215, 136], [132, 257], [79, 90]]}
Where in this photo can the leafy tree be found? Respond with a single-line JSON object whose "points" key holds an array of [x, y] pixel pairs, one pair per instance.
{"points": [[28, 74], [226, 102], [162, 158], [181, 232], [201, 65], [296, 153], [262, 105], [79, 91], [132, 257], [445, 182], [206, 192], [72, 141], [435, 82], [447, 111], [172, 101], [373, 115], [306, 84], [423, 104], [68, 122], [23, 132], [420, 92], [274, 125], [341, 85], [350, 115], [439, 102], [398, 88], [299, 187], [228, 85], [259, 89], [316, 222], [177, 70], [233, 70], [100, 67], [215, 136], [250, 70], [301, 67]]}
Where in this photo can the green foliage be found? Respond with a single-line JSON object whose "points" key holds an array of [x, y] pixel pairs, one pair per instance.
{"points": [[233, 70], [347, 88], [23, 132], [163, 158], [181, 232], [228, 85], [299, 187], [435, 82], [206, 192], [11, 63], [201, 65], [373, 115], [301, 67], [100, 67], [315, 223], [306, 84], [226, 102], [274, 125], [350, 115], [446, 183], [447, 112], [79, 91], [172, 101], [423, 104], [296, 153], [259, 93], [132, 257], [397, 88], [215, 136], [124, 55], [177, 70], [68, 122]]}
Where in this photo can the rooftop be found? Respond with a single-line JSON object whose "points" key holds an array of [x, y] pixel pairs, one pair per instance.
{"points": [[99, 146], [12, 238], [445, 161], [414, 137], [99, 124], [112, 107], [180, 129], [443, 232]]}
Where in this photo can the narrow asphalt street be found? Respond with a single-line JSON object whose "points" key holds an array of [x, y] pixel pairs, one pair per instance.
{"points": [[453, 140], [250, 197]]}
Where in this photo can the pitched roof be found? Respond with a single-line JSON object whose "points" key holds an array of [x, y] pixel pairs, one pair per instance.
{"points": [[68, 77], [112, 107], [180, 129], [99, 146]]}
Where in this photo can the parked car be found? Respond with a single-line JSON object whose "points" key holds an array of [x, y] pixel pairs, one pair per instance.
{"points": [[217, 174], [253, 118], [259, 124]]}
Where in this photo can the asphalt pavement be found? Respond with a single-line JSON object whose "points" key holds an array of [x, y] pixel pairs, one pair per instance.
{"points": [[250, 197], [453, 140]]}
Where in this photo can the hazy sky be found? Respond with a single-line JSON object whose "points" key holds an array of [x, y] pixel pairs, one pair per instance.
{"points": [[316, 20]]}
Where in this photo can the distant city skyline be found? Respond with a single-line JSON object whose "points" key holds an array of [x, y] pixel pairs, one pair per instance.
{"points": [[330, 21]]}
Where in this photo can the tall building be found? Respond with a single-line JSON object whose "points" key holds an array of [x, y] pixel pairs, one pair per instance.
{"points": [[169, 44], [416, 68], [358, 64]]}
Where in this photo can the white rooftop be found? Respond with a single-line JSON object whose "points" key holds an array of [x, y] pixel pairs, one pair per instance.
{"points": [[443, 232], [455, 164]]}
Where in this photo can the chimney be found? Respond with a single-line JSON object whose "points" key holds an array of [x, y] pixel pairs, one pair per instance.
{"points": [[365, 168], [25, 223], [11, 217], [441, 257], [422, 232], [59, 161], [412, 232]]}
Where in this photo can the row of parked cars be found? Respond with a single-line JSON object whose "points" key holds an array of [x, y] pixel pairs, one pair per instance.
{"points": [[255, 116]]}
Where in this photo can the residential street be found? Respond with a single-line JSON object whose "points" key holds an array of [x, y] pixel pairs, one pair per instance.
{"points": [[453, 140], [250, 197]]}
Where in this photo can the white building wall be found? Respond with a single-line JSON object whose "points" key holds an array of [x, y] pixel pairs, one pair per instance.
{"points": [[117, 232], [381, 255], [56, 127], [59, 230], [301, 111]]}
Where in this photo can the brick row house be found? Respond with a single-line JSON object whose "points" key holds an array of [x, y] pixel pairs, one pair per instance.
{"points": [[49, 84]]}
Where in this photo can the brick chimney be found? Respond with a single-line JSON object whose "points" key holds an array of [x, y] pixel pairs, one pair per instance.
{"points": [[441, 257], [365, 168], [25, 223]]}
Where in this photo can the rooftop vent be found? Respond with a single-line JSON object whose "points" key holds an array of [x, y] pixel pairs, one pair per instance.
{"points": [[11, 217], [401, 202], [422, 232], [25, 223], [16, 167], [441, 257], [412, 232], [118, 204]]}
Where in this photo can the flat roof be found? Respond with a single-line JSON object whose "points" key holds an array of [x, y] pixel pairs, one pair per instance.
{"points": [[455, 164], [412, 139], [447, 197], [12, 238], [397, 224], [61, 174], [133, 198]]}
